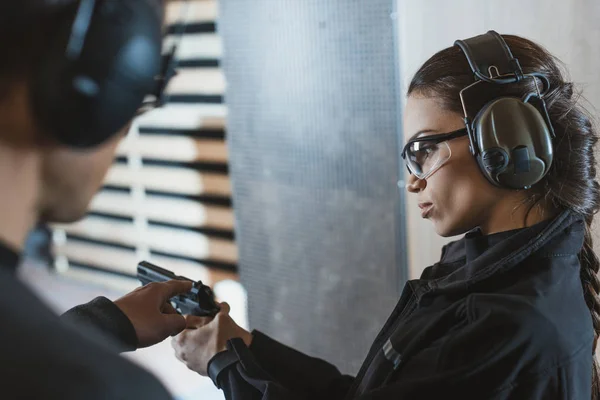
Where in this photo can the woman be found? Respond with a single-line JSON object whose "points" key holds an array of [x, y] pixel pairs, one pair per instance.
{"points": [[511, 310]]}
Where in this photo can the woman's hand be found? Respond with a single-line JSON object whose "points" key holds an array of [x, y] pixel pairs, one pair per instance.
{"points": [[205, 337], [150, 312]]}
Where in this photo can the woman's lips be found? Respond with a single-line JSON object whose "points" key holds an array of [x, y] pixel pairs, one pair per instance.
{"points": [[425, 209]]}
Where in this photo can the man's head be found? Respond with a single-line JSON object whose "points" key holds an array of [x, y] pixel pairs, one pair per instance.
{"points": [[69, 168], [67, 178]]}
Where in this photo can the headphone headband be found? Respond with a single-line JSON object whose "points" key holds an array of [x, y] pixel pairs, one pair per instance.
{"points": [[80, 28], [489, 52]]}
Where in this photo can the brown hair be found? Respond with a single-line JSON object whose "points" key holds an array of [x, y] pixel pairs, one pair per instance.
{"points": [[571, 181]]}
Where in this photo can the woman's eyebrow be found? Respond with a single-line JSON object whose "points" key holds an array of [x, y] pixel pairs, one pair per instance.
{"points": [[422, 131]]}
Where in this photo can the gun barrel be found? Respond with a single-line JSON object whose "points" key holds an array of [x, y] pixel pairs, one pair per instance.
{"points": [[147, 272]]}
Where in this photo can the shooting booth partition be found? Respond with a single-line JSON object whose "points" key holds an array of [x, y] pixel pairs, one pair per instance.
{"points": [[314, 134]]}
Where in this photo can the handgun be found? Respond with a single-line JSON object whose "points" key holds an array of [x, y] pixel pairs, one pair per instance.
{"points": [[200, 301]]}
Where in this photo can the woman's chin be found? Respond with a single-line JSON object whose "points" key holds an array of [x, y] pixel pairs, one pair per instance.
{"points": [[443, 229], [438, 227], [449, 230]]}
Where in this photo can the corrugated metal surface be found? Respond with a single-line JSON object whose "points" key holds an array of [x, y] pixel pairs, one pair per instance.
{"points": [[313, 127]]}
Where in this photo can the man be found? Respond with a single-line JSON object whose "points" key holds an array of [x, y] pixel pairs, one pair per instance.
{"points": [[41, 178]]}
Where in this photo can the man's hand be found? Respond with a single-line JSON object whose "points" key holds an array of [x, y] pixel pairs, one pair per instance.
{"points": [[205, 337], [150, 312]]}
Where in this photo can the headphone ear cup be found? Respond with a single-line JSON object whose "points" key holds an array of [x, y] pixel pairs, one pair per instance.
{"points": [[84, 101], [515, 144], [47, 90]]}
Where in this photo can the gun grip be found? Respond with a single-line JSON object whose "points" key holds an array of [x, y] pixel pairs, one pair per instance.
{"points": [[199, 312]]}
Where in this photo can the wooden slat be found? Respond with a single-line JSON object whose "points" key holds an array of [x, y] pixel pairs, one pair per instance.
{"points": [[214, 133], [173, 211], [175, 148], [195, 11], [113, 259], [195, 46], [186, 116], [174, 180], [197, 81], [113, 282], [163, 239], [200, 81]]}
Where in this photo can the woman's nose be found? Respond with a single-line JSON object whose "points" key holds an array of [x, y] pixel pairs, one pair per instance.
{"points": [[414, 184]]}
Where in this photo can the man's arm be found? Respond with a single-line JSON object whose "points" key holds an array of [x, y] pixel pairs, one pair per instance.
{"points": [[139, 319], [104, 316]]}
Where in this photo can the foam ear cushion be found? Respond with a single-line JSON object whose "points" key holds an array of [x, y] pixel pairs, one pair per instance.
{"points": [[516, 130]]}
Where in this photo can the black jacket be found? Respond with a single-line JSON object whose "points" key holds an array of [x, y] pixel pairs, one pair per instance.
{"points": [[499, 317], [44, 357]]}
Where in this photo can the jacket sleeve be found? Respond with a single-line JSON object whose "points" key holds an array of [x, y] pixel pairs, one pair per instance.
{"points": [[494, 357], [505, 354], [269, 370], [103, 316], [565, 381]]}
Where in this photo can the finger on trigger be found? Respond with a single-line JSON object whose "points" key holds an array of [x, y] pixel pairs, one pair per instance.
{"points": [[174, 287]]}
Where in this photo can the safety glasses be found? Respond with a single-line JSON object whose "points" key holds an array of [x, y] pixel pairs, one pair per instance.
{"points": [[425, 155]]}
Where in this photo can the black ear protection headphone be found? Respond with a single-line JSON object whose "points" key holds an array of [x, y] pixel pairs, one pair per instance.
{"points": [[510, 137], [98, 70]]}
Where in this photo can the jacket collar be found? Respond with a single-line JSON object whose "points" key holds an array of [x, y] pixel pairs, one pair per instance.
{"points": [[476, 243], [563, 234]]}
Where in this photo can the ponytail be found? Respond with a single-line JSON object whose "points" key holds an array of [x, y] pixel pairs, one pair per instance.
{"points": [[591, 287]]}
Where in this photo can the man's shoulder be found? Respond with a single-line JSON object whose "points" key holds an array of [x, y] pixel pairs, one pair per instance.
{"points": [[43, 357]]}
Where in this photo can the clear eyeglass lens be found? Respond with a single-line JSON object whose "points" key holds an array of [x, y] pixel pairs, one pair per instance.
{"points": [[423, 157]]}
